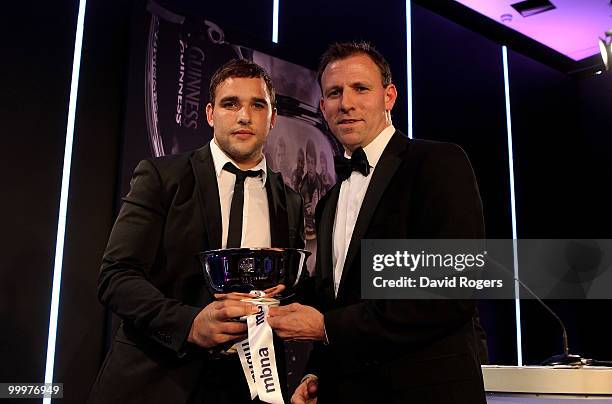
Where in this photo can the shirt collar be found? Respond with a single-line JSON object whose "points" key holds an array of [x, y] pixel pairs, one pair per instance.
{"points": [[376, 147], [220, 159]]}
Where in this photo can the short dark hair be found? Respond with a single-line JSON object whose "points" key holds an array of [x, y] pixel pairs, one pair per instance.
{"points": [[343, 50], [240, 68]]}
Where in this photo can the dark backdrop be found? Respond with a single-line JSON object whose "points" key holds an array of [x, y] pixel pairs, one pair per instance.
{"points": [[561, 153], [37, 53], [95, 162], [37, 48], [562, 170], [458, 96]]}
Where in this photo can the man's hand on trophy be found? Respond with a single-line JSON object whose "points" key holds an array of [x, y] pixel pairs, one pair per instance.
{"points": [[306, 392], [213, 325], [275, 290], [268, 293], [297, 322], [234, 296]]}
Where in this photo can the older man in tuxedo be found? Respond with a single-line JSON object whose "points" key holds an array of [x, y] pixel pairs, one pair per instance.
{"points": [[221, 195], [390, 187]]}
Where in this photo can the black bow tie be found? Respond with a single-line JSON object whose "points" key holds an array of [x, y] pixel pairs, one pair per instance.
{"points": [[357, 162]]}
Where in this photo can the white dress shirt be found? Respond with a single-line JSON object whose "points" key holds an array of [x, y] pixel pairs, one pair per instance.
{"points": [[352, 192], [256, 215]]}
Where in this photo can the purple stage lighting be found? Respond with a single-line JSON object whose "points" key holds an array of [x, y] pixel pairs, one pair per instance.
{"points": [[570, 27]]}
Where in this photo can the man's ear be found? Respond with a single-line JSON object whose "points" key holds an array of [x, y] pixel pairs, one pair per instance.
{"points": [[390, 96], [273, 119], [209, 114]]}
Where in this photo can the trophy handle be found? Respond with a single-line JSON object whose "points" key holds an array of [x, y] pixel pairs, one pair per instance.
{"points": [[301, 268], [206, 269]]}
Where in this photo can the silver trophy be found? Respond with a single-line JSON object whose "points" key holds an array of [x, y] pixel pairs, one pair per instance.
{"points": [[255, 271], [267, 272]]}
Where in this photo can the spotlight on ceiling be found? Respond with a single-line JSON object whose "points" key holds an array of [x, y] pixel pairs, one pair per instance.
{"points": [[605, 47], [530, 8]]}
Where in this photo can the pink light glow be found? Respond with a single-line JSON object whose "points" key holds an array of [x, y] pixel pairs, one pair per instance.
{"points": [[572, 28]]}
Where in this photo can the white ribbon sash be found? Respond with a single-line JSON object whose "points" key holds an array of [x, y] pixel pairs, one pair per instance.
{"points": [[258, 359], [244, 352]]}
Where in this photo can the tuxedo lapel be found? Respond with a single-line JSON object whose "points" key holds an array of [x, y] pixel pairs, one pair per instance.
{"points": [[388, 164], [208, 192], [277, 204], [325, 232]]}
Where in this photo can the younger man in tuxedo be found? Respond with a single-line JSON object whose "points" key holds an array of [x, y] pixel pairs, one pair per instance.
{"points": [[221, 195], [390, 187]]}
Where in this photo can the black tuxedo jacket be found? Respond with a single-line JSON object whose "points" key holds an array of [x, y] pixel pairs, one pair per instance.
{"points": [[152, 279], [400, 350]]}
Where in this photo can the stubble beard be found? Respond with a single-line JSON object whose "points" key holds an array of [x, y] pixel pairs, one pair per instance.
{"points": [[243, 156]]}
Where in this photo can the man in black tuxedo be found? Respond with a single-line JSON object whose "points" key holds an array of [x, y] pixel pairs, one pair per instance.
{"points": [[167, 349], [390, 187]]}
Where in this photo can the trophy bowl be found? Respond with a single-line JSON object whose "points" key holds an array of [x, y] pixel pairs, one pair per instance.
{"points": [[248, 269]]}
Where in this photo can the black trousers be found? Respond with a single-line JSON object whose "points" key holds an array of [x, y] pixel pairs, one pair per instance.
{"points": [[224, 383]]}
